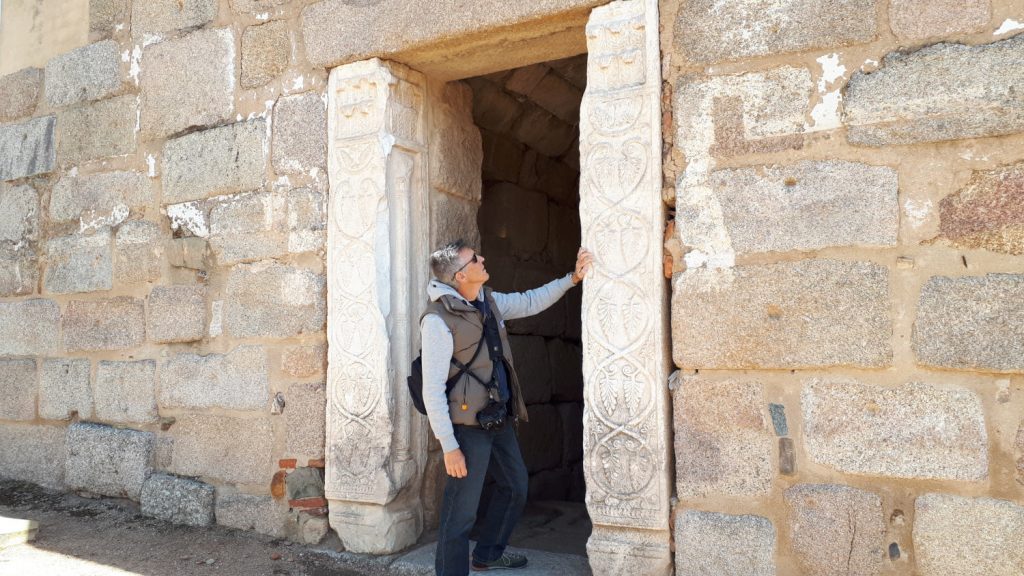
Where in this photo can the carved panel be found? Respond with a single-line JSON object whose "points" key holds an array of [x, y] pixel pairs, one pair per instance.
{"points": [[625, 343]]}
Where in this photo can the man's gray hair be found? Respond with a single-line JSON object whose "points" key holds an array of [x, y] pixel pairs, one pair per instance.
{"points": [[445, 261]]}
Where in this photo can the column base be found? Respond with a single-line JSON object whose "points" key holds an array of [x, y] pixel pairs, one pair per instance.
{"points": [[615, 551], [375, 529]]}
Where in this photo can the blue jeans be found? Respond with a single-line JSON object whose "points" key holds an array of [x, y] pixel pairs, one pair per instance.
{"points": [[500, 451]]}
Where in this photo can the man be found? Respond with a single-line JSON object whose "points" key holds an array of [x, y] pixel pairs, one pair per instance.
{"points": [[465, 323]]}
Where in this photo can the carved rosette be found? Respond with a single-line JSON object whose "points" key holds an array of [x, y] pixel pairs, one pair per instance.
{"points": [[625, 362], [376, 136]]}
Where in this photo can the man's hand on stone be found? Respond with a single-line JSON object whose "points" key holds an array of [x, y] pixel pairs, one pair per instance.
{"points": [[583, 262], [455, 463]]}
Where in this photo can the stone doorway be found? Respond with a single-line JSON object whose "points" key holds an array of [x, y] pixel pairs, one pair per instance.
{"points": [[405, 164]]}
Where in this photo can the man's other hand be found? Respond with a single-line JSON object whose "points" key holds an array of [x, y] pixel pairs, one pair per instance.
{"points": [[455, 463]]}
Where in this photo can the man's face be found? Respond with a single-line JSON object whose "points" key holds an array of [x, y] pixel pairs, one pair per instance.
{"points": [[472, 272]]}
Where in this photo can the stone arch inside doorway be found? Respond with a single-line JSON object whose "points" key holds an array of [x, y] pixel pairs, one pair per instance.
{"points": [[404, 166]]}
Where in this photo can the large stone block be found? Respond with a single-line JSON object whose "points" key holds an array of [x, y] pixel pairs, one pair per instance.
{"points": [[256, 6], [138, 252], [177, 500], [920, 19], [971, 323], [126, 392], [722, 441], [456, 151], [217, 161], [64, 389], [177, 313], [107, 461], [943, 92], [540, 439], [713, 544], [300, 134], [19, 213], [307, 220], [961, 536], [806, 206], [99, 195], [545, 133], [19, 269], [106, 15], [29, 327], [304, 360], [80, 263], [451, 218], [237, 380], [530, 355], [250, 226], [836, 529], [98, 130], [87, 73], [786, 315], [159, 17], [108, 324], [27, 149], [19, 93], [33, 454], [708, 31], [520, 215], [188, 81], [18, 384], [266, 50], [222, 447], [273, 300], [493, 108], [863, 429], [988, 212], [566, 370], [503, 157], [305, 414], [262, 514]]}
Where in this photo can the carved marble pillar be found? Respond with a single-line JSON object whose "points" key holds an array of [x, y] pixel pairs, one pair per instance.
{"points": [[376, 270], [625, 343]]}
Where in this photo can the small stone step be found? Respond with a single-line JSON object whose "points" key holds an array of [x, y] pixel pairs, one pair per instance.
{"points": [[16, 531]]}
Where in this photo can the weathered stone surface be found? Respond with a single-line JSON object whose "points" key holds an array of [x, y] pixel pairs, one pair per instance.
{"points": [[189, 252], [707, 31], [300, 134], [98, 130], [988, 212], [971, 323], [503, 157], [223, 447], [256, 6], [249, 512], [571, 416], [80, 263], [217, 161], [493, 108], [307, 220], [303, 361], [18, 384], [99, 195], [542, 450], [251, 226], [712, 544], [29, 327], [863, 429], [237, 380], [273, 300], [266, 50], [106, 15], [807, 206], [19, 271], [177, 500], [33, 454], [836, 529], [107, 461], [107, 324], [158, 17], [126, 391], [177, 313], [27, 149], [566, 370], [1018, 453], [517, 214], [531, 360], [138, 252], [968, 536], [943, 92], [452, 218], [19, 93], [920, 19], [543, 132], [64, 389], [786, 315], [19, 213], [188, 81], [455, 144], [305, 414], [87, 73], [722, 441]]}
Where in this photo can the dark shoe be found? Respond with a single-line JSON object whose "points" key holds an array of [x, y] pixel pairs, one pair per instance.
{"points": [[507, 560]]}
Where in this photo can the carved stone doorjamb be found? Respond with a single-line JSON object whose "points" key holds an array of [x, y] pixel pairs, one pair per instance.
{"points": [[627, 448], [376, 268]]}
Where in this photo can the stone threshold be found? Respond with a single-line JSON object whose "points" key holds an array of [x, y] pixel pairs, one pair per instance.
{"points": [[420, 562]]}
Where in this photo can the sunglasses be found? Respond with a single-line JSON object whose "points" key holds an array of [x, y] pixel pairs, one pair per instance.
{"points": [[472, 260]]}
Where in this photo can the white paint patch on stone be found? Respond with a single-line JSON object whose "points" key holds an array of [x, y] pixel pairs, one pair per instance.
{"points": [[298, 83], [151, 164], [869, 65], [826, 114], [135, 67], [188, 216], [216, 318], [90, 220], [263, 16], [917, 211], [1008, 25]]}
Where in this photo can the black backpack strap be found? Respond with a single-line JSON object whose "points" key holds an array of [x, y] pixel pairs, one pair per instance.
{"points": [[464, 369]]}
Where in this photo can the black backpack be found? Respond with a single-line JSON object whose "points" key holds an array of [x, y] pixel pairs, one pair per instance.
{"points": [[415, 379]]}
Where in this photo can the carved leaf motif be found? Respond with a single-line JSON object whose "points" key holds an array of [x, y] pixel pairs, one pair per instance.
{"points": [[609, 398], [632, 388]]}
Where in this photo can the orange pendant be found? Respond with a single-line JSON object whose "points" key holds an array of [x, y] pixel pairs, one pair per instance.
{"points": [[465, 407]]}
